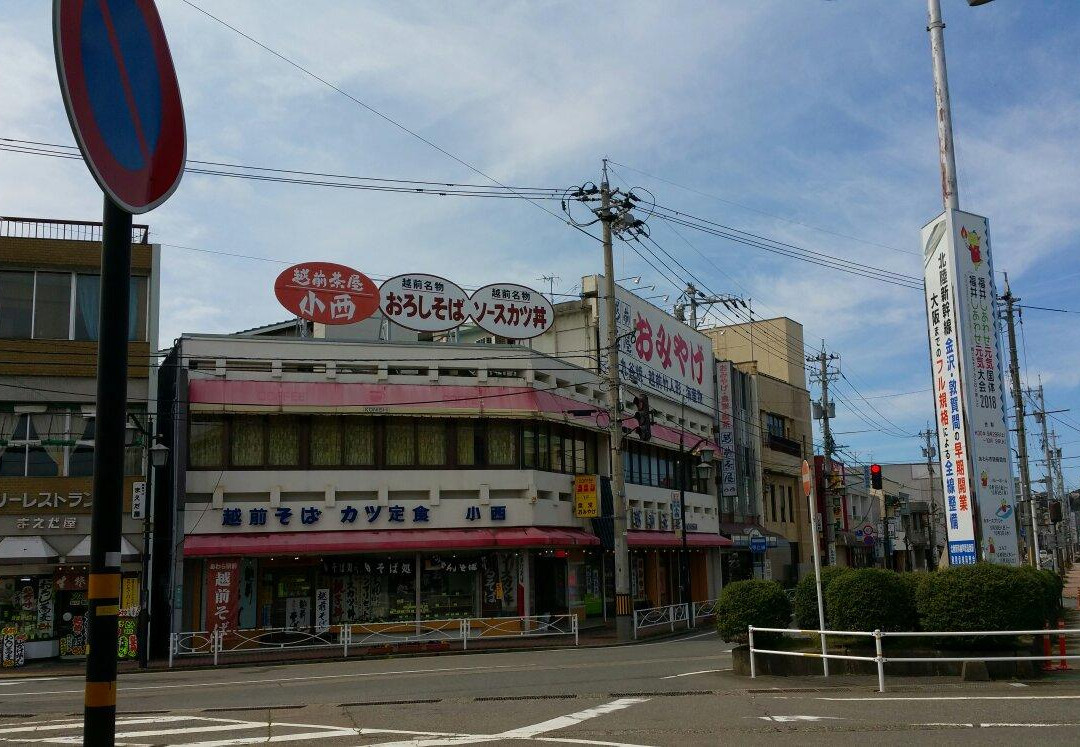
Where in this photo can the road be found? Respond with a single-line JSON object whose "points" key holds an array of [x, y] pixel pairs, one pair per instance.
{"points": [[675, 692]]}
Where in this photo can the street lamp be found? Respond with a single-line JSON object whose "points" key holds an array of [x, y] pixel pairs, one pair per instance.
{"points": [[159, 455]]}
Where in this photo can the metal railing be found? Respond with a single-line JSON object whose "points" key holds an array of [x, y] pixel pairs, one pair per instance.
{"points": [[881, 660], [70, 230], [702, 610], [652, 617], [218, 642]]}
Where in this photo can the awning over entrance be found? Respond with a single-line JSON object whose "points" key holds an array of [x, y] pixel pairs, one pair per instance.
{"points": [[740, 535], [637, 538], [31, 549], [81, 551], [391, 540]]}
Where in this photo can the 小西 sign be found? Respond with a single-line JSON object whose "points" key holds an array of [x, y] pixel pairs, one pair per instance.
{"points": [[327, 293]]}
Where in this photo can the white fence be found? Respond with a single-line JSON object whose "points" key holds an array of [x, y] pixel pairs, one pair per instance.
{"points": [[881, 660], [358, 635], [686, 615]]}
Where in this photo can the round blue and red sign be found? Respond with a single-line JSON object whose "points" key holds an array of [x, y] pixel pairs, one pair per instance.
{"points": [[123, 101]]}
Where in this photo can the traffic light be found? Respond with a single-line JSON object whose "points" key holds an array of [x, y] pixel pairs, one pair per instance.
{"points": [[875, 476], [643, 416], [1055, 512]]}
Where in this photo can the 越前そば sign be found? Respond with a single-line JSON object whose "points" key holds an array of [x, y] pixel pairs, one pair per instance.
{"points": [[512, 311], [424, 303], [327, 293]]}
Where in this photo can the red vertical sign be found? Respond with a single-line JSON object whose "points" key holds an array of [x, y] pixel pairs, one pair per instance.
{"points": [[222, 594]]}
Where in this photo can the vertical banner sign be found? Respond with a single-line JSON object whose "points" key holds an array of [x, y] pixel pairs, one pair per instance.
{"points": [[222, 593], [657, 352], [586, 505], [728, 484], [966, 367], [138, 500], [322, 610]]}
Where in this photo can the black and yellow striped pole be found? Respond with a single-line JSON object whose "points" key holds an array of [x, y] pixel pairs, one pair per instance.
{"points": [[103, 596]]}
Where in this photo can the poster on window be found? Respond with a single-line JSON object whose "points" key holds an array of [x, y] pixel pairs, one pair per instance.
{"points": [[297, 612], [222, 593], [322, 610], [657, 352]]}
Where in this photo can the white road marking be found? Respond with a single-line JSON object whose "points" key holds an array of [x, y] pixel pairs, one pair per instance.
{"points": [[277, 680], [68, 723], [675, 640], [687, 674], [993, 725], [788, 719], [567, 740], [955, 697], [1018, 684]]}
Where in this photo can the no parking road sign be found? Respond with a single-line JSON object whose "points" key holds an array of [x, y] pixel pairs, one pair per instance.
{"points": [[120, 90]]}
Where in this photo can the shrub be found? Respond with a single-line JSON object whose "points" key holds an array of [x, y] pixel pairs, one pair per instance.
{"points": [[753, 602], [870, 599], [806, 612], [1050, 587], [983, 596]]}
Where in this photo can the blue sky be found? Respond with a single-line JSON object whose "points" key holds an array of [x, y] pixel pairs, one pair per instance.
{"points": [[794, 115]]}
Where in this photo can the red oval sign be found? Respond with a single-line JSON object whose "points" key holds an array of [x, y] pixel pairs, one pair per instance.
{"points": [[327, 293]]}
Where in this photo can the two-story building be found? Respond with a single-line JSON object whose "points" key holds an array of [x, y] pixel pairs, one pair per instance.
{"points": [[49, 298]]}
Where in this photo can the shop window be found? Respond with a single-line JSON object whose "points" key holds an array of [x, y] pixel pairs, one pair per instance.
{"points": [[324, 442], [448, 587], [528, 446], [502, 444], [543, 448], [25, 456], [579, 452], [247, 441], [283, 441], [206, 443], [52, 306], [590, 453], [16, 304], [88, 298], [555, 444], [27, 606], [359, 437], [790, 503], [431, 443], [400, 443], [467, 437]]}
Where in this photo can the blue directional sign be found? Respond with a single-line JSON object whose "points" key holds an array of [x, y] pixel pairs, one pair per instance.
{"points": [[122, 98]]}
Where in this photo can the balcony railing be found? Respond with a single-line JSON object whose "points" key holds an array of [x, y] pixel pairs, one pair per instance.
{"points": [[784, 445], [69, 230]]}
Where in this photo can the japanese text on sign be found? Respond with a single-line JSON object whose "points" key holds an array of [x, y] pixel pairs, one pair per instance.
{"points": [[511, 311], [327, 293], [586, 505], [424, 303]]}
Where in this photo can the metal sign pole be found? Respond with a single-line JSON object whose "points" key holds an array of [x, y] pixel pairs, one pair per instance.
{"points": [[103, 595], [814, 529]]}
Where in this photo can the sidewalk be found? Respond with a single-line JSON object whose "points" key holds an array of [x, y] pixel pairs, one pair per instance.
{"points": [[592, 637]]}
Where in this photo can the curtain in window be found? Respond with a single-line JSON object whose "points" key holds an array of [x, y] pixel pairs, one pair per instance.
{"points": [[7, 428], [205, 443], [52, 304], [359, 436], [51, 426], [528, 446], [543, 453], [81, 461], [246, 442], [431, 442], [555, 442], [137, 310], [579, 452], [466, 444], [16, 303], [11, 457], [325, 441], [38, 462], [400, 443], [502, 443], [283, 439], [87, 299]]}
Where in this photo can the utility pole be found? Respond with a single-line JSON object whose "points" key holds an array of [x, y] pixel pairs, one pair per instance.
{"points": [[929, 451], [623, 600], [946, 155], [1021, 426], [1040, 418], [826, 410], [550, 280]]}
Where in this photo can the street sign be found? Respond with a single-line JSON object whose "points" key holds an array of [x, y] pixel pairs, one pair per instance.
{"points": [[122, 98], [807, 485], [759, 543], [327, 293], [586, 505]]}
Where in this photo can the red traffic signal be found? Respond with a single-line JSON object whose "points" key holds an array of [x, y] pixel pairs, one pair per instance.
{"points": [[875, 476]]}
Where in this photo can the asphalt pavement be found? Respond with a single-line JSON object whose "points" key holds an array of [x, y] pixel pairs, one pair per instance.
{"points": [[672, 692]]}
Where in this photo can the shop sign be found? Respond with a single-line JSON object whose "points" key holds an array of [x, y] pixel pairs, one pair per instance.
{"points": [[586, 505], [138, 500], [70, 580], [14, 652], [512, 311], [297, 612], [676, 512], [322, 610], [53, 495], [728, 484], [14, 502], [222, 592], [368, 568], [657, 352], [424, 303], [45, 610], [327, 293], [37, 523], [968, 389], [348, 516]]}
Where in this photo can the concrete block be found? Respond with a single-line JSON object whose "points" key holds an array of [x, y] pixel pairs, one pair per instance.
{"points": [[975, 671]]}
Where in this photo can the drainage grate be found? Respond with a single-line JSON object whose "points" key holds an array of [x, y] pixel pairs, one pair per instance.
{"points": [[388, 702], [525, 697], [253, 708], [662, 694]]}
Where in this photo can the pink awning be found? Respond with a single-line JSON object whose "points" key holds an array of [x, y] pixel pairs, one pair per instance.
{"points": [[389, 540], [644, 538]]}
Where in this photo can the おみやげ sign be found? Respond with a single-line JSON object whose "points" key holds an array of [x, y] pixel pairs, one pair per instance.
{"points": [[327, 293]]}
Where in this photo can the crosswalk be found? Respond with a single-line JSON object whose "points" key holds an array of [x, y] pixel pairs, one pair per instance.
{"points": [[194, 731]]}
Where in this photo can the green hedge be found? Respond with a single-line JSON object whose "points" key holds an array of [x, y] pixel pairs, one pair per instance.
{"points": [[753, 602], [806, 612], [985, 596], [870, 599]]}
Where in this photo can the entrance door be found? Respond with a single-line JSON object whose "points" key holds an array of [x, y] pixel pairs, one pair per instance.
{"points": [[550, 583]]}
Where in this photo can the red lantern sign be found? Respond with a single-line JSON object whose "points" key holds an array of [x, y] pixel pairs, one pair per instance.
{"points": [[327, 293]]}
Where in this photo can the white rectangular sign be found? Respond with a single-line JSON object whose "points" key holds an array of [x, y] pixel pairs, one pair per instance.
{"points": [[967, 372], [725, 404], [657, 352], [138, 500]]}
